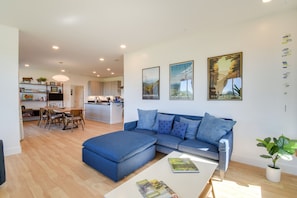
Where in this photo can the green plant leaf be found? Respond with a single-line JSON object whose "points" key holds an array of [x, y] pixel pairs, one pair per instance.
{"points": [[290, 147], [266, 156], [267, 140], [261, 145]]}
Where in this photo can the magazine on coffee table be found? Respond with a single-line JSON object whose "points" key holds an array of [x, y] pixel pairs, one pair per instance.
{"points": [[182, 165], [155, 189]]}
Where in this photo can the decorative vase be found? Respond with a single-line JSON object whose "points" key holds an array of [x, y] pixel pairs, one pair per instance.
{"points": [[273, 174]]}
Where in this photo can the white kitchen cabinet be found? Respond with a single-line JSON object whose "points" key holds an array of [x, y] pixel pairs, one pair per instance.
{"points": [[95, 88], [112, 88]]}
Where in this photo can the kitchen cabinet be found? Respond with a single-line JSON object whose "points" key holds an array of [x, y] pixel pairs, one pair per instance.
{"points": [[112, 88], [95, 88]]}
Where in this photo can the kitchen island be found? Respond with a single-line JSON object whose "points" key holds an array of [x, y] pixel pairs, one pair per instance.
{"points": [[107, 112]]}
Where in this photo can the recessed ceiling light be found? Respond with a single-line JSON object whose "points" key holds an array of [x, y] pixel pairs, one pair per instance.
{"points": [[98, 75], [94, 72], [55, 47], [62, 70], [101, 59], [112, 73], [266, 1], [123, 46], [27, 65], [108, 69]]}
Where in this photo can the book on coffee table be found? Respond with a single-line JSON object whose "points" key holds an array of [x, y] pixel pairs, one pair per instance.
{"points": [[182, 165], [155, 189]]}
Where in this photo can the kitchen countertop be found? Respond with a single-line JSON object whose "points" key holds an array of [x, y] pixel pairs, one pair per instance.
{"points": [[98, 103], [103, 103]]}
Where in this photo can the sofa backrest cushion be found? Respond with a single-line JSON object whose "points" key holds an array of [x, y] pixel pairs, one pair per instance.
{"points": [[192, 127], [146, 119], [211, 129], [161, 116]]}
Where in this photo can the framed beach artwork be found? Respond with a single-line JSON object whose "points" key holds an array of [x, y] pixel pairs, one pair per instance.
{"points": [[225, 77], [151, 83], [181, 81]]}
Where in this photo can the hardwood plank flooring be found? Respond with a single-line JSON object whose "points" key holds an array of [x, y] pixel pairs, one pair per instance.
{"points": [[51, 166]]}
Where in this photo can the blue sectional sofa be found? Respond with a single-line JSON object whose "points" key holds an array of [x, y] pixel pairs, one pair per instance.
{"points": [[206, 136]]}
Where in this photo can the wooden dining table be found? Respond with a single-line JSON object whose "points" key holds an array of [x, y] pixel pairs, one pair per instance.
{"points": [[64, 111]]}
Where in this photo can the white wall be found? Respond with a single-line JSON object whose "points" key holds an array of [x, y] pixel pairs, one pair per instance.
{"points": [[260, 113], [9, 100]]}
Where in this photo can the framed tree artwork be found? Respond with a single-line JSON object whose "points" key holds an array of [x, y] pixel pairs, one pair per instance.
{"points": [[151, 83], [225, 77], [181, 81]]}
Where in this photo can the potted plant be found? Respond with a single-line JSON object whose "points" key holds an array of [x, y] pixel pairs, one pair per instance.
{"points": [[277, 148], [41, 80]]}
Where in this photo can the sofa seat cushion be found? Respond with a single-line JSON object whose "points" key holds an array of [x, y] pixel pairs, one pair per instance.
{"points": [[200, 148], [168, 140], [119, 146]]}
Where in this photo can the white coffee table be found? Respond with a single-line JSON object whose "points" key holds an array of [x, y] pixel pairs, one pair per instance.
{"points": [[186, 185]]}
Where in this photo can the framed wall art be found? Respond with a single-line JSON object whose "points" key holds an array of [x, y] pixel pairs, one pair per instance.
{"points": [[151, 83], [225, 77], [181, 81], [52, 83], [54, 90]]}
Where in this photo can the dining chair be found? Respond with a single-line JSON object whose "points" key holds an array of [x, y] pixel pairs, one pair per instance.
{"points": [[53, 118], [74, 117], [43, 115]]}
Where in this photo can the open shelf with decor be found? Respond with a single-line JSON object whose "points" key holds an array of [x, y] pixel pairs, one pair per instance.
{"points": [[33, 96]]}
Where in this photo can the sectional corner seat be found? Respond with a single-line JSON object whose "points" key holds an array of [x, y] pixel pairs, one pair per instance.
{"points": [[119, 153]]}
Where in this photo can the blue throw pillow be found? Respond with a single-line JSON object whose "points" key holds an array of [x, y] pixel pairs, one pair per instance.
{"points": [[211, 129], [146, 119], [161, 116], [179, 129], [165, 126], [192, 127]]}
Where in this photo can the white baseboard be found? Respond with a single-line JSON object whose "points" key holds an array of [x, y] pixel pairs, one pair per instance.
{"points": [[286, 166], [12, 150]]}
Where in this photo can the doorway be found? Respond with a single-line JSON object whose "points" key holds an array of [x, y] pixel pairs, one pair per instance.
{"points": [[77, 96]]}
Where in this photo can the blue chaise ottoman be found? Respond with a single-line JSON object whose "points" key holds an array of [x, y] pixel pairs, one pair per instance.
{"points": [[119, 153]]}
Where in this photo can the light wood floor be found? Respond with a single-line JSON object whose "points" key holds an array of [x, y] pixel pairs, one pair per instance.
{"points": [[51, 166]]}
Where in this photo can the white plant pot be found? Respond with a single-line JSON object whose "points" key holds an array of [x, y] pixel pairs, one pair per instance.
{"points": [[273, 174]]}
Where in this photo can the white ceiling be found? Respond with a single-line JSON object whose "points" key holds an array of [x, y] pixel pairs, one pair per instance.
{"points": [[86, 30]]}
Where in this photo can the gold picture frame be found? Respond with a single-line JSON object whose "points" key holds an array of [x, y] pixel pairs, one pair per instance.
{"points": [[151, 83], [225, 77]]}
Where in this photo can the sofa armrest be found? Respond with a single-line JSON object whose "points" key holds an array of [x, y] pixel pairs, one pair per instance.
{"points": [[130, 126], [225, 151]]}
